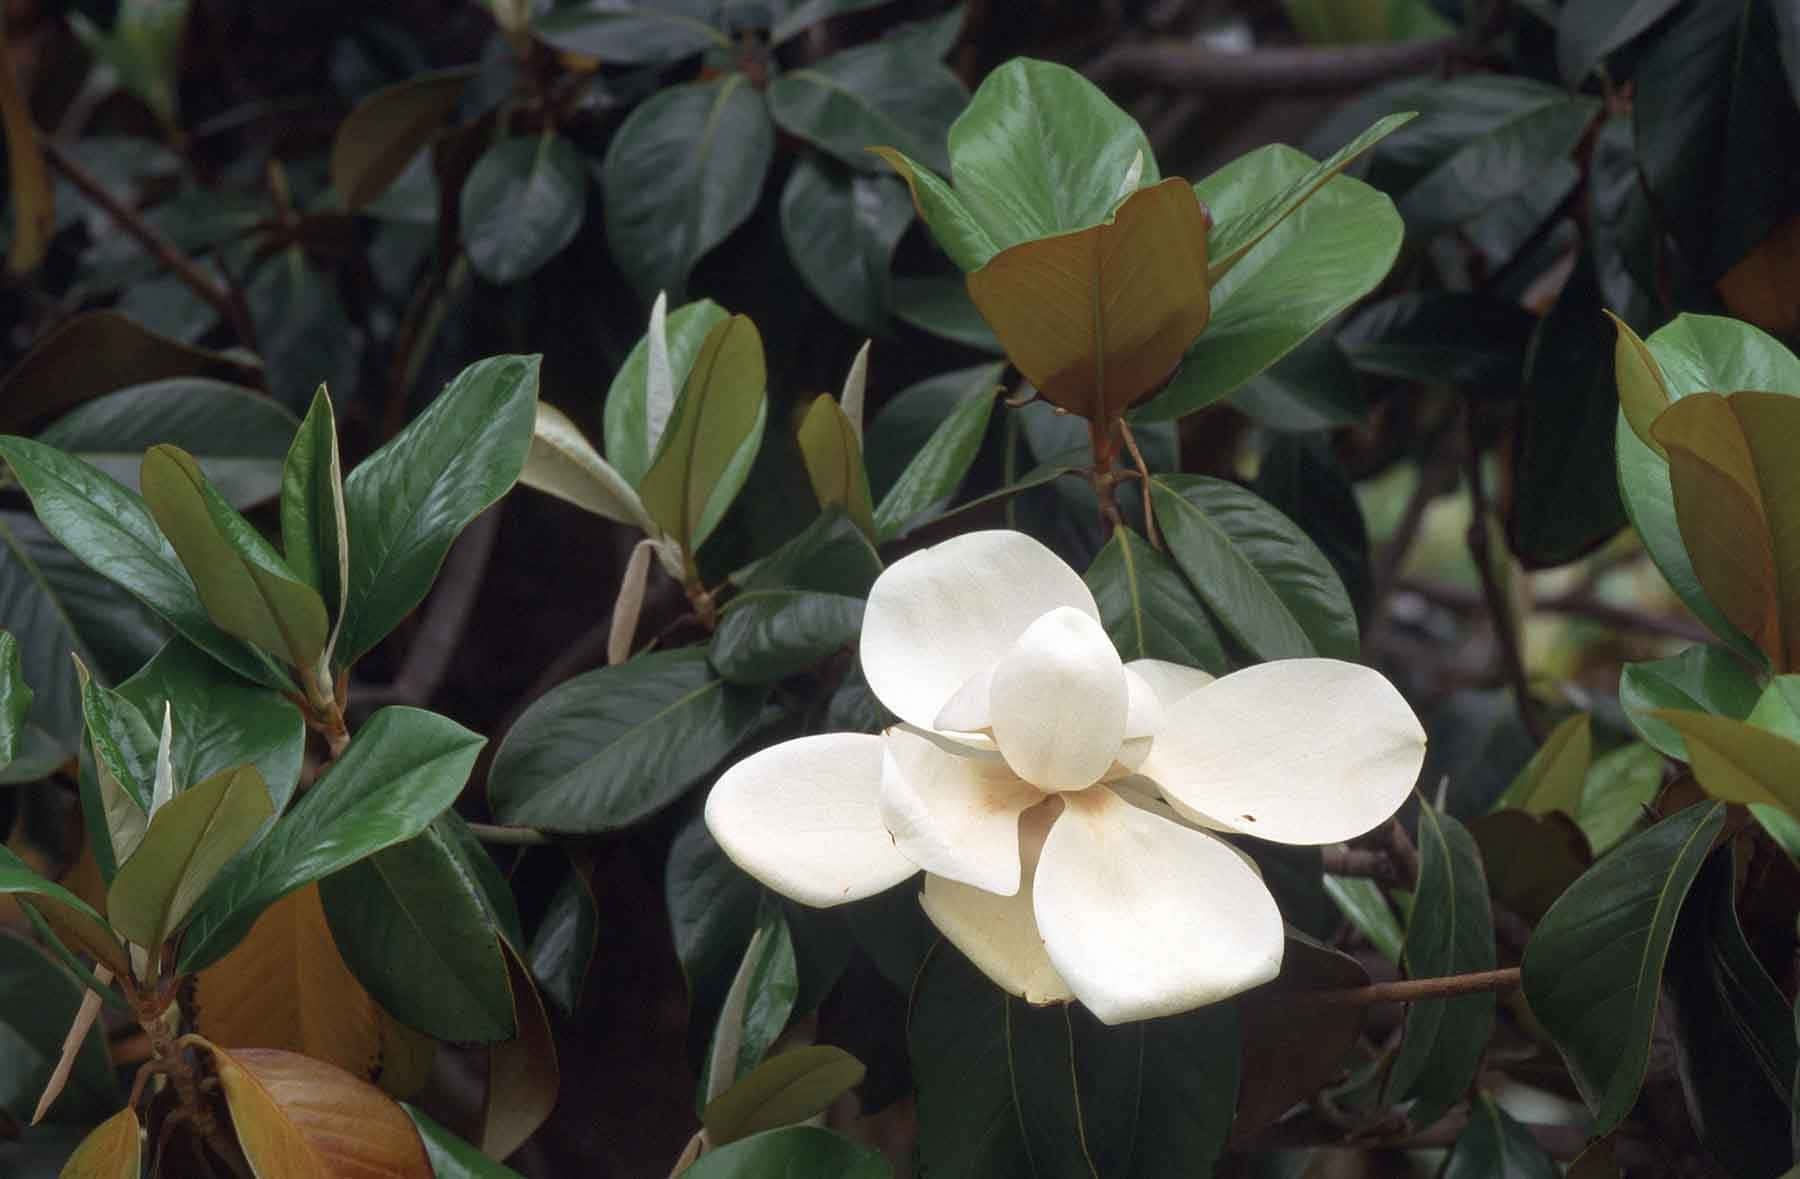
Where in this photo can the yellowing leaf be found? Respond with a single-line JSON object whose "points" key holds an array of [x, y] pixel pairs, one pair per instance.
{"points": [[834, 461], [780, 1091], [1643, 394], [718, 409], [113, 1150], [189, 841], [299, 1118], [1737, 761], [387, 129], [1737, 499], [33, 200], [1764, 286], [246, 587], [1100, 317], [286, 986], [1553, 779], [522, 1074]]}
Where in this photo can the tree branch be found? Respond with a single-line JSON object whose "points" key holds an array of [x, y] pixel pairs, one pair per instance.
{"points": [[1576, 604], [1411, 990], [1185, 66], [1506, 627], [221, 297]]}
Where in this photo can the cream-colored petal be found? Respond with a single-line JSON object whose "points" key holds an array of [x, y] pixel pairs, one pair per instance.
{"points": [[1059, 702], [953, 811], [1170, 681], [938, 616], [1295, 751], [999, 934], [970, 710], [1143, 719], [1144, 917], [804, 817]]}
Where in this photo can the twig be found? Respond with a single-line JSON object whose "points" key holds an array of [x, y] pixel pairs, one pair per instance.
{"points": [[1506, 627], [1199, 68], [1371, 863], [1400, 844], [1577, 604], [1411, 990], [223, 299], [1137, 456], [512, 836]]}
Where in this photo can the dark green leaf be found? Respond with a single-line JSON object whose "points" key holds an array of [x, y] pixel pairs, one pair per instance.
{"points": [[1496, 1147], [881, 94], [403, 769], [712, 910], [768, 635], [1498, 164], [1443, 337], [1267, 583], [118, 782], [1328, 254], [1450, 931], [796, 1152], [841, 228], [794, 17], [1189, 1093], [938, 465], [236, 434], [15, 698], [1365, 905], [411, 922], [830, 556], [1701, 679], [302, 329], [759, 1005], [957, 1036], [1593, 968], [684, 169], [1736, 1031], [67, 913], [1311, 388], [1565, 496], [1620, 785], [648, 33], [38, 1002], [605, 749], [942, 307], [112, 532], [1148, 608], [1587, 31], [314, 531], [1300, 477], [450, 1156], [1077, 1085], [410, 499], [562, 949], [522, 203]]}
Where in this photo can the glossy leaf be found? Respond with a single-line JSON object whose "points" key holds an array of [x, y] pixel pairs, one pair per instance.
{"points": [[15, 697], [402, 770], [188, 842], [1148, 607], [38, 1001], [1098, 318], [374, 144], [646, 33], [1735, 493], [562, 948], [1265, 581], [247, 589], [1311, 388], [1184, 1112], [957, 1040], [607, 748], [114, 1150], [1317, 262], [299, 1118], [718, 413], [1441, 337], [1619, 788], [829, 556], [681, 173], [451, 1157], [411, 923], [782, 1090], [113, 533], [237, 435], [1554, 778], [1700, 679], [630, 442], [757, 1007], [563, 463], [940, 305], [1450, 931], [1593, 967], [315, 530], [410, 499], [1500, 162], [841, 228], [1736, 1031], [1365, 906], [1643, 394], [1494, 1146], [937, 467], [1738, 761], [522, 203], [796, 1152], [116, 802], [523, 1075], [832, 450], [66, 913], [882, 93], [303, 330], [767, 635], [712, 906]]}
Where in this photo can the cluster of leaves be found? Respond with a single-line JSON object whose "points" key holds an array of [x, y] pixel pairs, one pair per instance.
{"points": [[282, 892]]}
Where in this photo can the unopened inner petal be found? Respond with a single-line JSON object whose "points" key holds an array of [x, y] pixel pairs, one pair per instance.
{"points": [[1059, 702]]}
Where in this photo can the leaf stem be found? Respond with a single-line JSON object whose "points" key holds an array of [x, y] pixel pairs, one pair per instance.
{"points": [[1411, 990], [1137, 456]]}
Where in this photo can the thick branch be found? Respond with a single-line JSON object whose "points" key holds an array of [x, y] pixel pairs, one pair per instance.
{"points": [[1185, 66], [1411, 990], [154, 241]]}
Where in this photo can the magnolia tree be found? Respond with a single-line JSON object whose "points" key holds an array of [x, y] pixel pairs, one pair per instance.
{"points": [[1026, 803]]}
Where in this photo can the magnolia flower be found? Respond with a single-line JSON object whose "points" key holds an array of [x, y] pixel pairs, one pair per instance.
{"points": [[1066, 807]]}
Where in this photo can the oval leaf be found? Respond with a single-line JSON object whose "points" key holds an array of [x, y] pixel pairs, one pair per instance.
{"points": [[884, 92], [563, 463], [115, 1150], [767, 635], [1553, 779], [66, 913], [1148, 607], [388, 128], [782, 1090], [1700, 679], [831, 448], [521, 204]]}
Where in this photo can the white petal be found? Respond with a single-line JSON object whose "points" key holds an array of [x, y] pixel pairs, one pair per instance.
{"points": [[804, 817], [1143, 719], [971, 709], [1170, 681], [954, 812], [1295, 751], [999, 934], [1148, 918], [940, 615], [1059, 702]]}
